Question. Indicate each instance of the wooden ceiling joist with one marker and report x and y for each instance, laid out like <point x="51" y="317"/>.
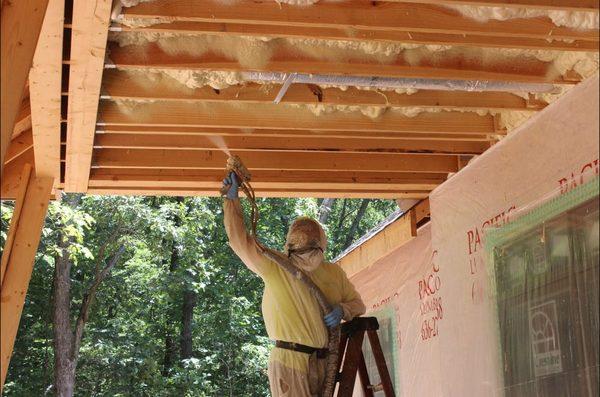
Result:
<point x="313" y="144"/>
<point x="45" y="89"/>
<point x="361" y="14"/>
<point x="211" y="159"/>
<point x="334" y="33"/>
<point x="263" y="116"/>
<point x="19" y="40"/>
<point x="278" y="193"/>
<point x="286" y="133"/>
<point x="153" y="57"/>
<point x="275" y="179"/>
<point x="121" y="85"/>
<point x="88" y="44"/>
<point x="575" y="5"/>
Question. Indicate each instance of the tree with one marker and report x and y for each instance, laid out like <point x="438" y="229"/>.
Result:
<point x="199" y="293"/>
<point x="70" y="249"/>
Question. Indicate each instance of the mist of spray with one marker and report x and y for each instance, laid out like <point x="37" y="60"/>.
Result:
<point x="219" y="142"/>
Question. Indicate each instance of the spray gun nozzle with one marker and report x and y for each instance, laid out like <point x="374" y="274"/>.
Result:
<point x="235" y="165"/>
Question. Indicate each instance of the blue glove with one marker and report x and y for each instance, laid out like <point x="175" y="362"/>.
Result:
<point x="233" y="184"/>
<point x="334" y="317"/>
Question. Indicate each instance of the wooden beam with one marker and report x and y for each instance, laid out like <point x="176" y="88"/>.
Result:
<point x="289" y="133"/>
<point x="273" y="116"/>
<point x="14" y="220"/>
<point x="88" y="45"/>
<point x="11" y="175"/>
<point x="312" y="193"/>
<point x="19" y="40"/>
<point x="19" y="261"/>
<point x="265" y="179"/>
<point x="361" y="14"/>
<point x="455" y="66"/>
<point x="390" y="36"/>
<point x="45" y="89"/>
<point x="18" y="146"/>
<point x="379" y="245"/>
<point x="574" y="5"/>
<point x="422" y="212"/>
<point x="260" y="144"/>
<point x="122" y="85"/>
<point x="206" y="159"/>
<point x="23" y="119"/>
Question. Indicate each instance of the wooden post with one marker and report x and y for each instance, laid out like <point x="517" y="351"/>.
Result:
<point x="21" y="25"/>
<point x="18" y="258"/>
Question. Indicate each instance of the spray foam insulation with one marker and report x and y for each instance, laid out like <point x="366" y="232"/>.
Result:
<point x="253" y="52"/>
<point x="579" y="20"/>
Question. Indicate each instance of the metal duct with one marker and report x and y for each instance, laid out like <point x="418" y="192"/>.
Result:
<point x="393" y="83"/>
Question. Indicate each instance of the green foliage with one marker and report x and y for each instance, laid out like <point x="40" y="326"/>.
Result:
<point x="173" y="246"/>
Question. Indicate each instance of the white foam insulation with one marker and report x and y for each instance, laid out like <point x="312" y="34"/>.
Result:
<point x="579" y="20"/>
<point x="253" y="52"/>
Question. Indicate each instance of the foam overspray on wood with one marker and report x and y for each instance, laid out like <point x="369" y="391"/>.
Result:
<point x="255" y="52"/>
<point x="574" y="19"/>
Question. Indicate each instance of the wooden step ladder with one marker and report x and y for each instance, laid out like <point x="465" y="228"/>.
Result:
<point x="352" y="359"/>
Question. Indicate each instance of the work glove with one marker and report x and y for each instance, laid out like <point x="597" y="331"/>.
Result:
<point x="334" y="317"/>
<point x="232" y="182"/>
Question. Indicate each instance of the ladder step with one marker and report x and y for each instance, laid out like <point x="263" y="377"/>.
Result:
<point x="376" y="388"/>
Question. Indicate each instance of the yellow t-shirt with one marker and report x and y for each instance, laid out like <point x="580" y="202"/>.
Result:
<point x="290" y="312"/>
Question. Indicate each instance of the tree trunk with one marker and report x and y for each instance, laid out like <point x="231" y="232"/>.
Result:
<point x="170" y="345"/>
<point x="187" y="311"/>
<point x="64" y="368"/>
<point x="325" y="210"/>
<point x="170" y="354"/>
<point x="359" y="215"/>
<point x="66" y="340"/>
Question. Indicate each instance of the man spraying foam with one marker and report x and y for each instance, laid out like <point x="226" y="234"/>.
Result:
<point x="293" y="316"/>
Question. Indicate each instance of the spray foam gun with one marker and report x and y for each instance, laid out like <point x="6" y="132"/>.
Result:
<point x="243" y="176"/>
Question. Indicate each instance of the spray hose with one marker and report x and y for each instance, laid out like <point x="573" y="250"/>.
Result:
<point x="235" y="165"/>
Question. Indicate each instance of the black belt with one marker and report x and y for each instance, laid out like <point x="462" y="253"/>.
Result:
<point x="297" y="347"/>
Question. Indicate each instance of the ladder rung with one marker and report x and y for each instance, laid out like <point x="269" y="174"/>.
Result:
<point x="376" y="388"/>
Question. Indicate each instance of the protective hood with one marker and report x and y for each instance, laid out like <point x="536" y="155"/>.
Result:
<point x="305" y="244"/>
<point x="305" y="233"/>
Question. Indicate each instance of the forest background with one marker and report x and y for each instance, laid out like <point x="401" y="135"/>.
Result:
<point x="142" y="296"/>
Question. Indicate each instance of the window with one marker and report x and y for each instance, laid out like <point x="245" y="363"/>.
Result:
<point x="546" y="276"/>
